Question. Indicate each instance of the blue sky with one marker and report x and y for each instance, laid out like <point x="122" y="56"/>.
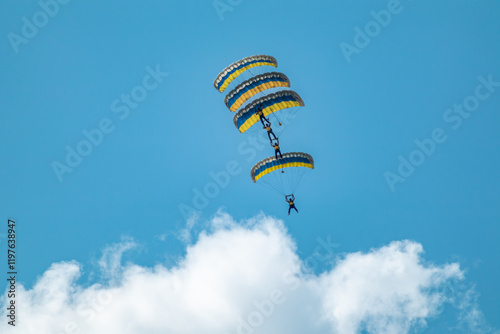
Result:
<point x="363" y="111"/>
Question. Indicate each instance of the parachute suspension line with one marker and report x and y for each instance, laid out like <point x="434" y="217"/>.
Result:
<point x="240" y="79"/>
<point x="274" y="184"/>
<point x="293" y="177"/>
<point x="282" y="182"/>
<point x="243" y="77"/>
<point x="280" y="186"/>
<point x="274" y="181"/>
<point x="279" y="122"/>
<point x="270" y="182"/>
<point x="300" y="179"/>
<point x="269" y="185"/>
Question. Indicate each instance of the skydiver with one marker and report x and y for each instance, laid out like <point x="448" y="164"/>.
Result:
<point x="261" y="115"/>
<point x="270" y="132"/>
<point x="277" y="150"/>
<point x="290" y="199"/>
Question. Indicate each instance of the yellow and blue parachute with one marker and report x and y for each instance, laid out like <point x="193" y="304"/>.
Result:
<point x="246" y="98"/>
<point x="285" y="174"/>
<point x="271" y="103"/>
<point x="235" y="69"/>
<point x="254" y="85"/>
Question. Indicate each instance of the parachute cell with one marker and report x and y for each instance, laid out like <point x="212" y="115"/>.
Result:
<point x="235" y="69"/>
<point x="253" y="86"/>
<point x="271" y="103"/>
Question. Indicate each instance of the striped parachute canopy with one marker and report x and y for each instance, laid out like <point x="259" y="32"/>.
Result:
<point x="255" y="85"/>
<point x="271" y="104"/>
<point x="283" y="175"/>
<point x="235" y="69"/>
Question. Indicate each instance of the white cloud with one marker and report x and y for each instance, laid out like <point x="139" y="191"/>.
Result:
<point x="239" y="278"/>
<point x="470" y="315"/>
<point x="110" y="262"/>
<point x="385" y="291"/>
<point x="161" y="237"/>
<point x="185" y="234"/>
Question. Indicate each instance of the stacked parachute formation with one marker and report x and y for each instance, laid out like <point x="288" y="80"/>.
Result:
<point x="252" y="104"/>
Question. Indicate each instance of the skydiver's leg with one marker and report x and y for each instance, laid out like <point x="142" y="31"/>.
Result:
<point x="272" y="133"/>
<point x="289" y="208"/>
<point x="276" y="154"/>
<point x="269" y="135"/>
<point x="262" y="118"/>
<point x="295" y="208"/>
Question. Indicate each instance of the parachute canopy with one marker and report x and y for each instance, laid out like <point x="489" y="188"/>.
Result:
<point x="271" y="103"/>
<point x="279" y="174"/>
<point x="294" y="159"/>
<point x="235" y="69"/>
<point x="255" y="85"/>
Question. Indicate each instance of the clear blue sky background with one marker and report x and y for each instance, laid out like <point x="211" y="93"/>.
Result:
<point x="359" y="117"/>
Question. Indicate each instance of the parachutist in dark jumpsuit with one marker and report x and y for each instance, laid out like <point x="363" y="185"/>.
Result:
<point x="270" y="132"/>
<point x="290" y="199"/>
<point x="276" y="145"/>
<point x="261" y="115"/>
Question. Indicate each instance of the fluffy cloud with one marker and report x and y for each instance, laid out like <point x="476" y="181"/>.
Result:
<point x="240" y="279"/>
<point x="387" y="290"/>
